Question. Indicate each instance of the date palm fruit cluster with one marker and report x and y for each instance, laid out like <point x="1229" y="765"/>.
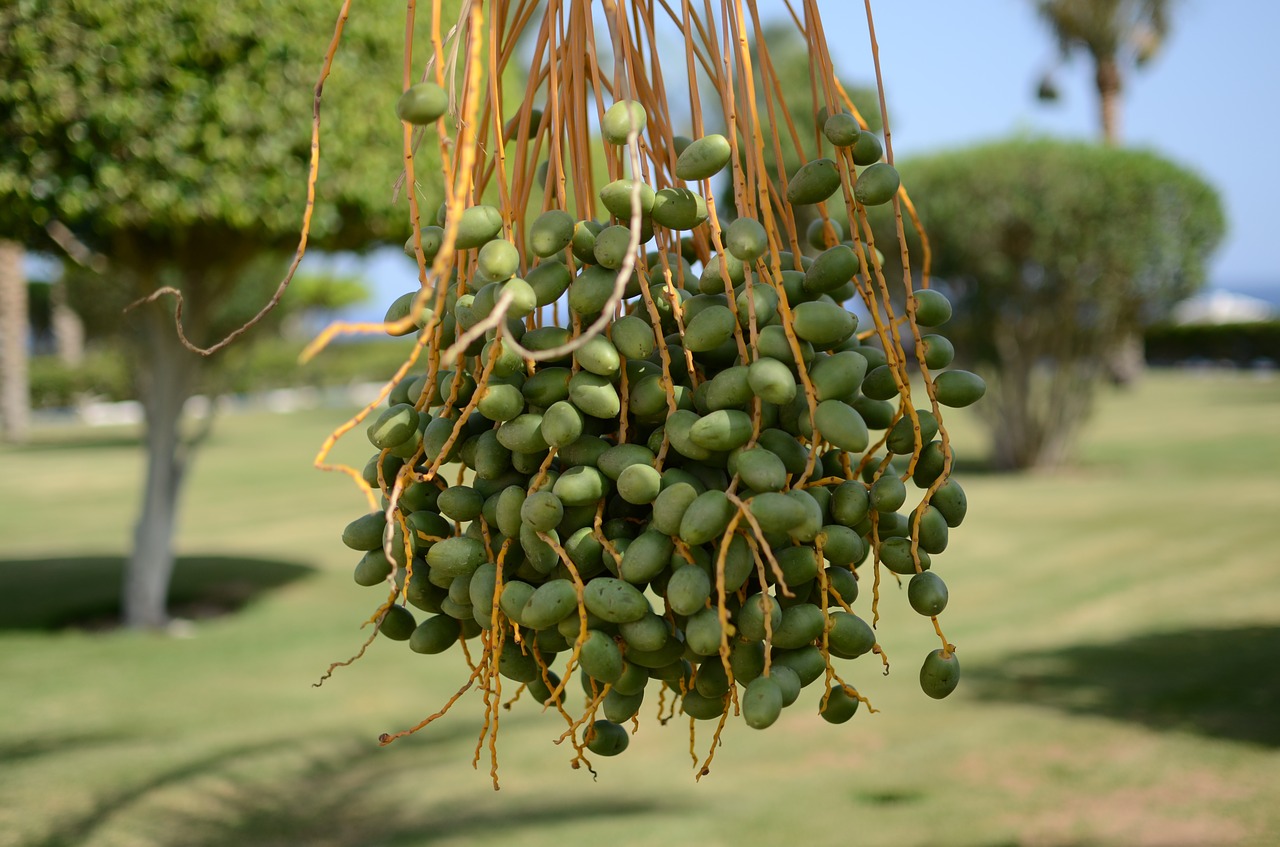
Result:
<point x="684" y="507"/>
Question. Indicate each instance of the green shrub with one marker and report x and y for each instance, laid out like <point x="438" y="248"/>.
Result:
<point x="1055" y="254"/>
<point x="103" y="374"/>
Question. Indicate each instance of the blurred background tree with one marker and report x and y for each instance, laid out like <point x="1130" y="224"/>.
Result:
<point x="1051" y="251"/>
<point x="173" y="140"/>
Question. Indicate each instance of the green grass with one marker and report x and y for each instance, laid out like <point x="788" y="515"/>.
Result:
<point x="1118" y="622"/>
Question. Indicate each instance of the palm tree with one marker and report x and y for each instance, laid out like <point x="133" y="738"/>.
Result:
<point x="1114" y="33"/>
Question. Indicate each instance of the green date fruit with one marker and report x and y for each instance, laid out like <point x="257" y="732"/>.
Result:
<point x="746" y="239"/>
<point x="615" y="600"/>
<point x="959" y="388"/>
<point x="704" y="158"/>
<point x="762" y="702"/>
<point x="842" y="130"/>
<point x="622" y="118"/>
<point x="927" y="593"/>
<point x="435" y="635"/>
<point x="679" y="208"/>
<point x="422" y="104"/>
<point x="397" y="624"/>
<point x="840" y="706"/>
<point x="813" y="182"/>
<point x="550" y="233"/>
<point x="877" y="184"/>
<point x="940" y="673"/>
<point x="932" y="307"/>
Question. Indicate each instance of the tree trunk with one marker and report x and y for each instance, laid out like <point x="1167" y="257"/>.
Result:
<point x="68" y="328"/>
<point x="1125" y="364"/>
<point x="1108" y="82"/>
<point x="15" y="394"/>
<point x="167" y="380"/>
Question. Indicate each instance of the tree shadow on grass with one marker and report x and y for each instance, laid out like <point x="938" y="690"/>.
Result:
<point x="325" y="792"/>
<point x="1216" y="682"/>
<point x="13" y="750"/>
<point x="75" y="829"/>
<point x="355" y="795"/>
<point x="84" y="591"/>
<point x="211" y="778"/>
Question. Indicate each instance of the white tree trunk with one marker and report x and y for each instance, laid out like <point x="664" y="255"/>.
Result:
<point x="170" y="376"/>
<point x="15" y="394"/>
<point x="68" y="328"/>
<point x="1127" y="363"/>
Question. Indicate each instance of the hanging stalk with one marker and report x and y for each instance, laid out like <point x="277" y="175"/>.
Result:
<point x="657" y="419"/>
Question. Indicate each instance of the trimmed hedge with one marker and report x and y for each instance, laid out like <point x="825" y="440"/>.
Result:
<point x="271" y="363"/>
<point x="103" y="374"/>
<point x="1242" y="344"/>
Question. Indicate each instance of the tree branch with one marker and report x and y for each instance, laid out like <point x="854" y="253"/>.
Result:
<point x="76" y="250"/>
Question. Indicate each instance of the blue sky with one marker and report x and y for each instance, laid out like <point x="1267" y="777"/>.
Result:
<point x="959" y="73"/>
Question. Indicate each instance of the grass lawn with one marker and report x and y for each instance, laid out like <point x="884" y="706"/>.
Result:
<point x="1118" y="623"/>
